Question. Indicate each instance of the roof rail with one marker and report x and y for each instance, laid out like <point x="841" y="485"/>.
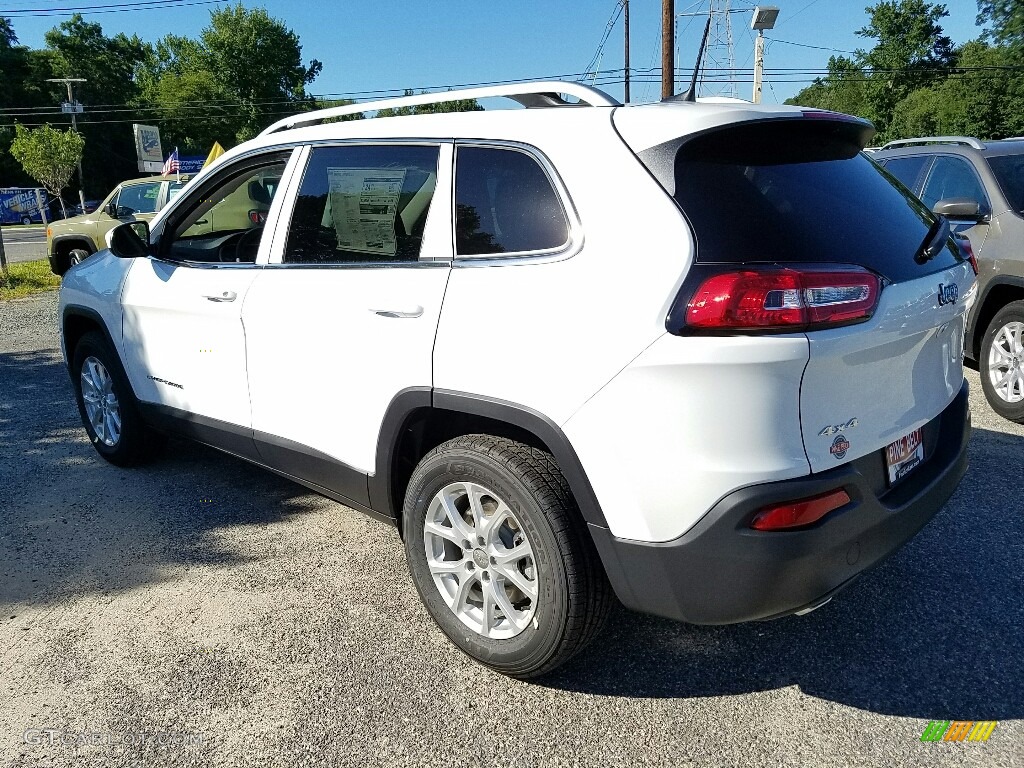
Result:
<point x="532" y="94"/>
<point x="965" y="140"/>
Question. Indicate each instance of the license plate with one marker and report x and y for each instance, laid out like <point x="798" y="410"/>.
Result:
<point x="902" y="456"/>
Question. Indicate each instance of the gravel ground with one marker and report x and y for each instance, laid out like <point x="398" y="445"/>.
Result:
<point x="202" y="612"/>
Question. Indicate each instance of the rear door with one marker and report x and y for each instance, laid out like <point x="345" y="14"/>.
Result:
<point x="798" y="193"/>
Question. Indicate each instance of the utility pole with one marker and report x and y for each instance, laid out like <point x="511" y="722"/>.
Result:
<point x="73" y="107"/>
<point x="668" y="48"/>
<point x="625" y="4"/>
<point x="764" y="18"/>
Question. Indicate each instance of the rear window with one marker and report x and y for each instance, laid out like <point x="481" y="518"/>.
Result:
<point x="1009" y="171"/>
<point x="800" y="192"/>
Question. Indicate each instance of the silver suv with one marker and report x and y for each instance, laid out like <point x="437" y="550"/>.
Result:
<point x="979" y="187"/>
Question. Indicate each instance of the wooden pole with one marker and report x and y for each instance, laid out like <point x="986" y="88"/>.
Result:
<point x="626" y="13"/>
<point x="668" y="48"/>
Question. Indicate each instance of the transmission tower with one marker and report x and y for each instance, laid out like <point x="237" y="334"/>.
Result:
<point x="719" y="67"/>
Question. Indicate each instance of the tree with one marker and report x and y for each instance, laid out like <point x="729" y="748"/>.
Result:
<point x="910" y="53"/>
<point x="49" y="156"/>
<point x="458" y="105"/>
<point x="1006" y="18"/>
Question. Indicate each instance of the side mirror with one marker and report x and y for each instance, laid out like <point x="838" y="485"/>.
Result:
<point x="129" y="241"/>
<point x="963" y="208"/>
<point x="111" y="209"/>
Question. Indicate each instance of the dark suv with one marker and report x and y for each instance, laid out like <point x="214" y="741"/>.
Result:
<point x="979" y="187"/>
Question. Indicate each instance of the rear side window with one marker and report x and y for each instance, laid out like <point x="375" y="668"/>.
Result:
<point x="504" y="203"/>
<point x="362" y="204"/>
<point x="1009" y="171"/>
<point x="800" y="191"/>
<point x="909" y="170"/>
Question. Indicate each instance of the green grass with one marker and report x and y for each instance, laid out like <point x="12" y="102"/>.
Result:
<point x="26" y="278"/>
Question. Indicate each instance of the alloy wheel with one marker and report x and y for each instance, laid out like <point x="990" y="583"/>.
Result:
<point x="481" y="560"/>
<point x="101" y="405"/>
<point x="1005" y="361"/>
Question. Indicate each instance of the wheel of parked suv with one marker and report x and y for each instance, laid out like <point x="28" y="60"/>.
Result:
<point x="500" y="557"/>
<point x="1002" y="362"/>
<point x="77" y="256"/>
<point x="26" y="220"/>
<point x="109" y="409"/>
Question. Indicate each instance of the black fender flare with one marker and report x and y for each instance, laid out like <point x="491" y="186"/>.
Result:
<point x="410" y="401"/>
<point x="974" y="333"/>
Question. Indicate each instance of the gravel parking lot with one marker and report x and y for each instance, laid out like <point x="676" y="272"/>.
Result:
<point x="202" y="612"/>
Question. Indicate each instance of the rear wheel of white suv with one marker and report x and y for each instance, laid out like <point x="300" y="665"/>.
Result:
<point x="108" y="406"/>
<point x="1002" y="362"/>
<point x="499" y="555"/>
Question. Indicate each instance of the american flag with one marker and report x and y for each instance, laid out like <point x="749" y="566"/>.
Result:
<point x="172" y="165"/>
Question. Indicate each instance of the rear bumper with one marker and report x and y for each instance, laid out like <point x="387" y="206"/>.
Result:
<point x="722" y="571"/>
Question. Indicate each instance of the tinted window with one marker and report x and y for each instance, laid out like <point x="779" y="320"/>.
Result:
<point x="909" y="170"/>
<point x="1009" y="171"/>
<point x="504" y="203"/>
<point x="362" y="204"/>
<point x="952" y="177"/>
<point x="790" y="191"/>
<point x="139" y="198"/>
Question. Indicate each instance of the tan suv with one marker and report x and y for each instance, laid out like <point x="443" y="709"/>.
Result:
<point x="70" y="241"/>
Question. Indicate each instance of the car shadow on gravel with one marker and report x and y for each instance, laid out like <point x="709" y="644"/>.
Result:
<point x="71" y="524"/>
<point x="934" y="632"/>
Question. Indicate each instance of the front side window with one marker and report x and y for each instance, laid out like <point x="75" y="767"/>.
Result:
<point x="224" y="223"/>
<point x="504" y="203"/>
<point x="138" y="198"/>
<point x="1009" y="171"/>
<point x="953" y="177"/>
<point x="362" y="204"/>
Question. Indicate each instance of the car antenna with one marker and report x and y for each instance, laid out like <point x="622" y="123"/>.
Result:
<point x="690" y="94"/>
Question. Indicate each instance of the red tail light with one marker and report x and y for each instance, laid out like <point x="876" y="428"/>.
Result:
<point x="783" y="299"/>
<point x="968" y="249"/>
<point x="795" y="514"/>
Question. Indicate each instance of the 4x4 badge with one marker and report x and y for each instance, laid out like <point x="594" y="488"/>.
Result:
<point x="835" y="429"/>
<point x="948" y="294"/>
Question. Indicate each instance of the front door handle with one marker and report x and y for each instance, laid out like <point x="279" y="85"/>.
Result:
<point x="225" y="296"/>
<point x="400" y="313"/>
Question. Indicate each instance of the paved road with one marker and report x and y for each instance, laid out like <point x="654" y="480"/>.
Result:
<point x="24" y="243"/>
<point x="204" y="600"/>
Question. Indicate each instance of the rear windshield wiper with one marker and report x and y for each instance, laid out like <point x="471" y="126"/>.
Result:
<point x="934" y="241"/>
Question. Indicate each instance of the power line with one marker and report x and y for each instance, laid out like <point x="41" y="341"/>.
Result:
<point x="144" y="5"/>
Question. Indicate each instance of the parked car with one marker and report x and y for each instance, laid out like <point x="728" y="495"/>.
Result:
<point x="77" y="237"/>
<point x="706" y="357"/>
<point x="979" y="187"/>
<point x="19" y="205"/>
<point x="89" y="207"/>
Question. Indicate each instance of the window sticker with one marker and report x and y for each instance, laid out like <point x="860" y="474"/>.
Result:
<point x="362" y="207"/>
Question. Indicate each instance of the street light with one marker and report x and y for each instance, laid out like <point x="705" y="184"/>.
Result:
<point x="74" y="108"/>
<point x="764" y="18"/>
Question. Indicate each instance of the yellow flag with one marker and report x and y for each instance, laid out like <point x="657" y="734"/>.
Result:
<point x="216" y="152"/>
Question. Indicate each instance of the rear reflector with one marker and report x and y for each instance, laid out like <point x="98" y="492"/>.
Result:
<point x="795" y="514"/>
<point x="783" y="299"/>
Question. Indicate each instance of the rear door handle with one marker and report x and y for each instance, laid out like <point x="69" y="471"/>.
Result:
<point x="226" y="296"/>
<point x="399" y="313"/>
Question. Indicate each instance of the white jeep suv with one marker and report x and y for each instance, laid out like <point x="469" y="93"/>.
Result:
<point x="702" y="356"/>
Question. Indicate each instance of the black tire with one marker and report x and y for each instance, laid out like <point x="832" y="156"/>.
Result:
<point x="574" y="598"/>
<point x="136" y="442"/>
<point x="1011" y="313"/>
<point x="26" y="220"/>
<point x="77" y="256"/>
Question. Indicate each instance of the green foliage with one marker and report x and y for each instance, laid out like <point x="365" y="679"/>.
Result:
<point x="913" y="82"/>
<point x="26" y="278"/>
<point x="1006" y="18"/>
<point x="458" y="105"/>
<point x="49" y="156"/>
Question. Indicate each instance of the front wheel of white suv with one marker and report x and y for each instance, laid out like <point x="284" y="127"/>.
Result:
<point x="500" y="557"/>
<point x="1002" y="362"/>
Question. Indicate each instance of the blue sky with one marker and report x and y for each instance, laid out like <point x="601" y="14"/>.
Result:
<point x="383" y="46"/>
